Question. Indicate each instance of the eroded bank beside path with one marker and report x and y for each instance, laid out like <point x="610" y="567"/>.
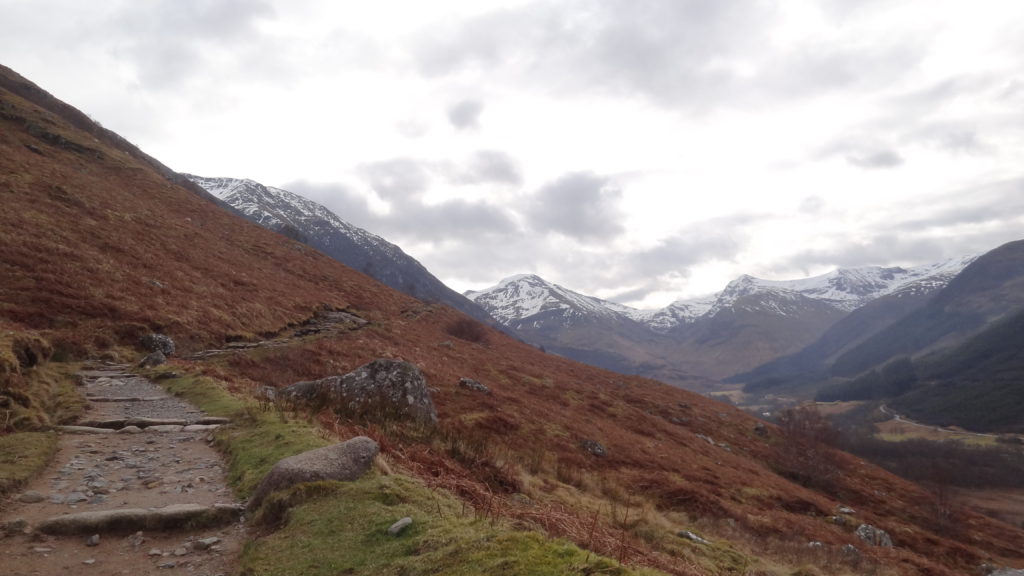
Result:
<point x="136" y="487"/>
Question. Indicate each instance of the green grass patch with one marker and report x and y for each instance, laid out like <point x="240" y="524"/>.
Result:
<point x="22" y="456"/>
<point x="341" y="528"/>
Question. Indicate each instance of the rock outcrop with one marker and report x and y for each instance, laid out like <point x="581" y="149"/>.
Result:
<point x="159" y="343"/>
<point x="874" y="536"/>
<point x="381" y="390"/>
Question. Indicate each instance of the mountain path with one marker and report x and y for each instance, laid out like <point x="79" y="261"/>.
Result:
<point x="136" y="489"/>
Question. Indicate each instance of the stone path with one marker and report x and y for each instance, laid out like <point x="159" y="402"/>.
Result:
<point x="124" y="483"/>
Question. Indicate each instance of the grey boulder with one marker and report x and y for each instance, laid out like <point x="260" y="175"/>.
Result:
<point x="344" y="462"/>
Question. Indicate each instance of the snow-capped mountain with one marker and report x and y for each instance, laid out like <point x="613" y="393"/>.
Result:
<point x="750" y="322"/>
<point x="847" y="288"/>
<point x="524" y="296"/>
<point x="310" y="223"/>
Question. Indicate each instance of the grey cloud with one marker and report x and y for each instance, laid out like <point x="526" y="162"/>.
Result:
<point x="397" y="179"/>
<point x="995" y="205"/>
<point x="344" y="201"/>
<point x="863" y="152"/>
<point x="879" y="248"/>
<point x="956" y="138"/>
<point x="812" y="205"/>
<point x="875" y="159"/>
<point x="465" y="115"/>
<point x="490" y="166"/>
<point x="469" y="222"/>
<point x="716" y="239"/>
<point x="168" y="39"/>
<point x="984" y="217"/>
<point x="690" y="55"/>
<point x="580" y="205"/>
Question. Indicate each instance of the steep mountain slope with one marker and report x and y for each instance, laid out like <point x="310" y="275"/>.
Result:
<point x="312" y="224"/>
<point x="751" y="322"/>
<point x="976" y="385"/>
<point x="802" y="373"/>
<point x="97" y="247"/>
<point x="988" y="289"/>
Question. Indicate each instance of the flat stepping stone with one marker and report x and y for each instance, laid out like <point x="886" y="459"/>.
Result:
<point x="212" y="420"/>
<point x="124" y="398"/>
<point x="129" y="520"/>
<point x="119" y="423"/>
<point x="84" y="430"/>
<point x="164" y="428"/>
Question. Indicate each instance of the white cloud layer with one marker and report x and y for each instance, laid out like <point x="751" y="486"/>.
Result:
<point x="643" y="150"/>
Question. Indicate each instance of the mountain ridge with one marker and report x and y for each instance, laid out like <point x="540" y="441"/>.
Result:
<point x="313" y="224"/>
<point x="750" y="322"/>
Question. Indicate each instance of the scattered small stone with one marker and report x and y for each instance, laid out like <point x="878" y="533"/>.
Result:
<point x="42" y="549"/>
<point x="815" y="544"/>
<point x="89" y="562"/>
<point x="31" y="497"/>
<point x="846" y="510"/>
<point x="595" y="448"/>
<point x="180" y="551"/>
<point x="155" y="552"/>
<point x="692" y="537"/>
<point x="76" y="497"/>
<point x="16" y="526"/>
<point x="169" y="564"/>
<point x="471" y="384"/>
<point x="93" y="540"/>
<point x="205" y="543"/>
<point x="399" y="526"/>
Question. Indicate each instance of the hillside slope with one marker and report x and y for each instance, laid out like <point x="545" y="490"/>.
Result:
<point x="99" y="247"/>
<point x="312" y="224"/>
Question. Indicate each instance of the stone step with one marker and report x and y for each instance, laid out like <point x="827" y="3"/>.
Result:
<point x="166" y="519"/>
<point x="92" y="398"/>
<point x="119" y="423"/>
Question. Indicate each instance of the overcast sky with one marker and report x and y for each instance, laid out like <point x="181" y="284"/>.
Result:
<point x="636" y="150"/>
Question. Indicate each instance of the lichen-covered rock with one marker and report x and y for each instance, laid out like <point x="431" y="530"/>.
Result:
<point x="344" y="462"/>
<point x="159" y="343"/>
<point x="874" y="536"/>
<point x="381" y="390"/>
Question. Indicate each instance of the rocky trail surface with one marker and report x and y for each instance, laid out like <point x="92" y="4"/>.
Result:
<point x="135" y="488"/>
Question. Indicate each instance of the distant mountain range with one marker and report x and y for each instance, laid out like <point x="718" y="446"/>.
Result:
<point x="306" y="221"/>
<point x="752" y="321"/>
